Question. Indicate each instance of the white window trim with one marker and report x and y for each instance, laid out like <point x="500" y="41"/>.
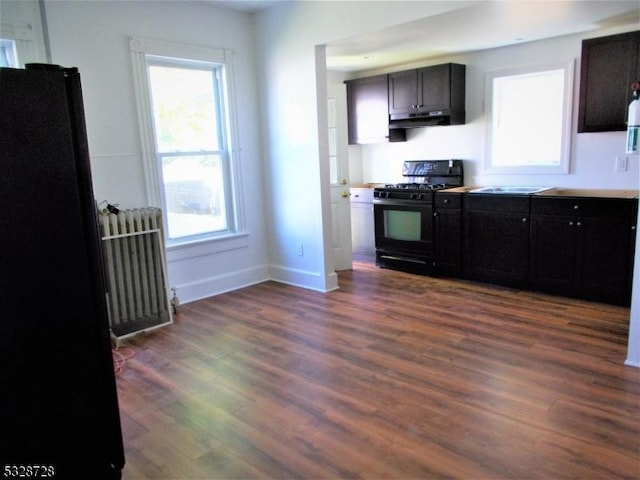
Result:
<point x="139" y="49"/>
<point x="563" y="168"/>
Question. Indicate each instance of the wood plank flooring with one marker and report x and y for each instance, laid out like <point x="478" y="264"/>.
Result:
<point x="393" y="376"/>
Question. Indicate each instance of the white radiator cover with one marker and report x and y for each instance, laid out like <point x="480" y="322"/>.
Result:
<point x="136" y="273"/>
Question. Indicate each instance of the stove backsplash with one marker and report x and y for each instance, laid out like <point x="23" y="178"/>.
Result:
<point x="434" y="172"/>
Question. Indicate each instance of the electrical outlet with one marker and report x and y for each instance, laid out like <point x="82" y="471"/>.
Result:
<point x="299" y="249"/>
<point x="621" y="164"/>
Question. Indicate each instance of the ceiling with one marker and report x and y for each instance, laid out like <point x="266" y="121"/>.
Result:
<point x="467" y="26"/>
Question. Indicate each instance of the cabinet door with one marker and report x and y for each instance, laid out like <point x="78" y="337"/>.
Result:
<point x="497" y="246"/>
<point x="434" y="88"/>
<point x="603" y="259"/>
<point x="609" y="66"/>
<point x="553" y="253"/>
<point x="368" y="112"/>
<point x="403" y="92"/>
<point x="448" y="242"/>
<point x="362" y="229"/>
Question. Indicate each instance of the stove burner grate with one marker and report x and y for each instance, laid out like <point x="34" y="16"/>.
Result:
<point x="417" y="186"/>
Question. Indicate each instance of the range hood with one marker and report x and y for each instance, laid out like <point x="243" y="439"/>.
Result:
<point x="423" y="119"/>
<point x="427" y="96"/>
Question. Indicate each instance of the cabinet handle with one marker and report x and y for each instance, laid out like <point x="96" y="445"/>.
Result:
<point x="571" y="223"/>
<point x="446" y="200"/>
<point x="576" y="207"/>
<point x="633" y="227"/>
<point x="579" y="224"/>
<point x="524" y="220"/>
<point x="435" y="214"/>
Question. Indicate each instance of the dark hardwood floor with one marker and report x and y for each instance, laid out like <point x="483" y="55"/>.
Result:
<point x="392" y="376"/>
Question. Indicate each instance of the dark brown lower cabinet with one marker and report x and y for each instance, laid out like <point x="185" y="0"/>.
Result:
<point x="583" y="247"/>
<point x="496" y="238"/>
<point x="448" y="234"/>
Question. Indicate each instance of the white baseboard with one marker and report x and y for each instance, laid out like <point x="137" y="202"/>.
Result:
<point x="213" y="286"/>
<point x="304" y="279"/>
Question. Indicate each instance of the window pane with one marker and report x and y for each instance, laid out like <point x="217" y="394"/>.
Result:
<point x="184" y="109"/>
<point x="527" y="119"/>
<point x="402" y="225"/>
<point x="530" y="119"/>
<point x="333" y="140"/>
<point x="8" y="56"/>
<point x="194" y="194"/>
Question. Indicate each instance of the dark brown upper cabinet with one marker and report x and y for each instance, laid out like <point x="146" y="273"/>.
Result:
<point x="609" y="66"/>
<point x="368" y="111"/>
<point x="436" y="92"/>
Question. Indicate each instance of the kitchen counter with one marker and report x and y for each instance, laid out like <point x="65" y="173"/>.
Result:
<point x="367" y="185"/>
<point x="588" y="192"/>
<point x="565" y="192"/>
<point x="459" y="189"/>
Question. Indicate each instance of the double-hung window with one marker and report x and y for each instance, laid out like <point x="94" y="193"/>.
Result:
<point x="529" y="119"/>
<point x="187" y="137"/>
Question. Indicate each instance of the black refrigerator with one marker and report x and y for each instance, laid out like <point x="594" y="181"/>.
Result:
<point x="59" y="415"/>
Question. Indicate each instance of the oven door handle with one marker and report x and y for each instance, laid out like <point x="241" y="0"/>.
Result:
<point x="402" y="203"/>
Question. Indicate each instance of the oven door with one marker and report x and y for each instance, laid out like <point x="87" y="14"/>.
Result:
<point x="404" y="235"/>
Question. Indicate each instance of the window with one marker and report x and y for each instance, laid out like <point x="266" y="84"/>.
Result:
<point x="8" y="54"/>
<point x="187" y="136"/>
<point x="529" y="120"/>
<point x="333" y="140"/>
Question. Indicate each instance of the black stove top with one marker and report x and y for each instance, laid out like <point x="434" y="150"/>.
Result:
<point x="424" y="177"/>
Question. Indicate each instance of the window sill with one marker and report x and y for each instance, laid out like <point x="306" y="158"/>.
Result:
<point x="198" y="248"/>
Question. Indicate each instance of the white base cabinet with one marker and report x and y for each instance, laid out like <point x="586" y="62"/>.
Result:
<point x="362" y="228"/>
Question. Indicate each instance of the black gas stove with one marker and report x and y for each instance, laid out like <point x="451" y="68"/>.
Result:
<point x="403" y="214"/>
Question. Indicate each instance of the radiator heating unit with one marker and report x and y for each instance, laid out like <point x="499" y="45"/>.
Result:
<point x="138" y="296"/>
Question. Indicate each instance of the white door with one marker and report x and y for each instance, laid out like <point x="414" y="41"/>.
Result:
<point x="339" y="176"/>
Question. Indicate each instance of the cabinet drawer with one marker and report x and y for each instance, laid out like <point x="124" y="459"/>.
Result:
<point x="361" y="195"/>
<point x="584" y="207"/>
<point x="448" y="201"/>
<point x="497" y="203"/>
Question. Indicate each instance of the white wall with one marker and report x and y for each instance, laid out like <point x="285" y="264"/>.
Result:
<point x="94" y="36"/>
<point x="295" y="135"/>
